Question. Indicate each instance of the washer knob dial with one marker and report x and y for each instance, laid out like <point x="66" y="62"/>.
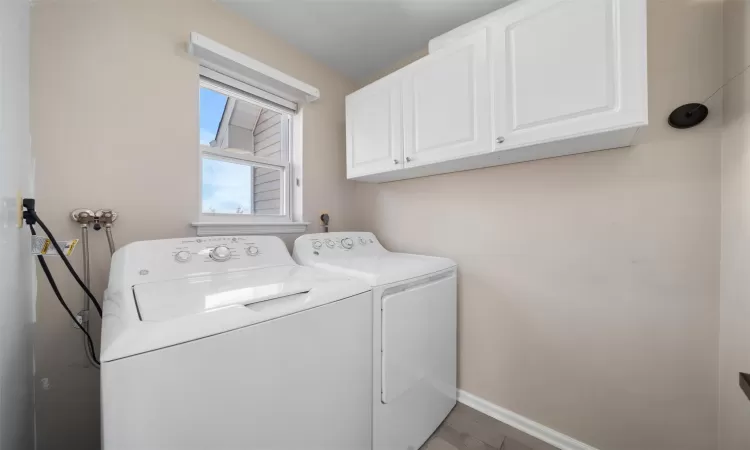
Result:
<point x="221" y="253"/>
<point x="317" y="245"/>
<point x="252" y="250"/>
<point x="362" y="241"/>
<point x="182" y="256"/>
<point x="347" y="243"/>
<point x="330" y="243"/>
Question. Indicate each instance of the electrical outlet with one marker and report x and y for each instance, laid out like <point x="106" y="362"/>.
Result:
<point x="11" y="211"/>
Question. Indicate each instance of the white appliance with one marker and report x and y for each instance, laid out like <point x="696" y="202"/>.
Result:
<point x="414" y="331"/>
<point x="226" y="343"/>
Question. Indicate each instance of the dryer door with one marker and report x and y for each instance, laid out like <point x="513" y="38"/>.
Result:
<point x="419" y="337"/>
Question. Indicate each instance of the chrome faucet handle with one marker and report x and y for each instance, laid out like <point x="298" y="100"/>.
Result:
<point x="83" y="216"/>
<point x="106" y="216"/>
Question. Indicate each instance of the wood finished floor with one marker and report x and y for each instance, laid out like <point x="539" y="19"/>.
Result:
<point x="468" y="429"/>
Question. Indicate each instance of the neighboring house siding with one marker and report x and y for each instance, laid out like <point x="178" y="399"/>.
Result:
<point x="240" y="137"/>
<point x="267" y="182"/>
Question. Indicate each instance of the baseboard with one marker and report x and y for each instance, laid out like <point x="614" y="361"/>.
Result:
<point x="519" y="422"/>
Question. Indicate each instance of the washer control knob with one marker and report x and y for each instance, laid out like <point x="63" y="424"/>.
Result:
<point x="347" y="243"/>
<point x="182" y="256"/>
<point x="252" y="250"/>
<point x="330" y="243"/>
<point x="221" y="253"/>
<point x="362" y="241"/>
<point x="317" y="245"/>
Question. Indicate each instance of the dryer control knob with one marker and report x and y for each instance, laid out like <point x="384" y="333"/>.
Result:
<point x="182" y="256"/>
<point x="221" y="253"/>
<point x="347" y="243"/>
<point x="252" y="251"/>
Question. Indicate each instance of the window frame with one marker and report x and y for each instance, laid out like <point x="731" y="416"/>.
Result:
<point x="286" y="165"/>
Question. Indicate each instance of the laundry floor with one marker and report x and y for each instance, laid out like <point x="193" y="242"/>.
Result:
<point x="468" y="429"/>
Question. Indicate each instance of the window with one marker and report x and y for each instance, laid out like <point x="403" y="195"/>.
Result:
<point x="251" y="119"/>
<point x="246" y="157"/>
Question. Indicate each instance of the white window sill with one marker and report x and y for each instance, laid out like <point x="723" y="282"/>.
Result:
<point x="235" y="228"/>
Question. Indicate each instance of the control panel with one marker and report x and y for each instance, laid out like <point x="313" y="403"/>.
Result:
<point x="219" y="249"/>
<point x="175" y="258"/>
<point x="334" y="245"/>
<point x="340" y="241"/>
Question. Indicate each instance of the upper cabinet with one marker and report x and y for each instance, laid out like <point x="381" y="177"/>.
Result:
<point x="374" y="128"/>
<point x="536" y="79"/>
<point x="447" y="103"/>
<point x="568" y="68"/>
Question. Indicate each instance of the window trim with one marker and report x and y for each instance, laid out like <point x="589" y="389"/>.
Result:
<point x="223" y="224"/>
<point x="248" y="228"/>
<point x="239" y="66"/>
<point x="269" y="100"/>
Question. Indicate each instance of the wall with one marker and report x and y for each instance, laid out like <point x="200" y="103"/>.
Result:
<point x="589" y="284"/>
<point x="16" y="296"/>
<point x="115" y="125"/>
<point x="735" y="218"/>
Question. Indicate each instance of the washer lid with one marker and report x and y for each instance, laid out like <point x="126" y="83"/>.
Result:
<point x="168" y="300"/>
<point x="182" y="310"/>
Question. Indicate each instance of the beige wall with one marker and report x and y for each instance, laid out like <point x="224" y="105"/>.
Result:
<point x="735" y="246"/>
<point x="114" y="113"/>
<point x="588" y="291"/>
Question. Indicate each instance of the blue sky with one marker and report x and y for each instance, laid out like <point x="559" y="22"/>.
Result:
<point x="226" y="186"/>
<point x="211" y="107"/>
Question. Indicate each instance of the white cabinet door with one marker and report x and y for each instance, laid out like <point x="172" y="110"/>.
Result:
<point x="447" y="103"/>
<point x="374" y="129"/>
<point x="567" y="68"/>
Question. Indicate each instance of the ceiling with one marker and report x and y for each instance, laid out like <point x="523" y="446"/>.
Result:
<point x="361" y="38"/>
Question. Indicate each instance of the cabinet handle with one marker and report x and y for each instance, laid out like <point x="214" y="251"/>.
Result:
<point x="500" y="140"/>
<point x="408" y="159"/>
<point x="395" y="161"/>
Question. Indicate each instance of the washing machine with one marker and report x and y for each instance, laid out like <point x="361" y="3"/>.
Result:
<point x="414" y="331"/>
<point x="226" y="343"/>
